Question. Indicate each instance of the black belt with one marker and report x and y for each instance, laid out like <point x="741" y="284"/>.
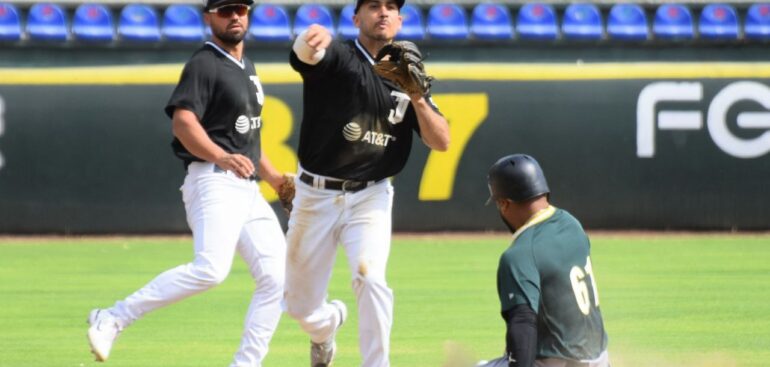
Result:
<point x="330" y="184"/>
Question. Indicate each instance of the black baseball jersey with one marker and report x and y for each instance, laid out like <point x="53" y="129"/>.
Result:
<point x="226" y="96"/>
<point x="355" y="124"/>
<point x="548" y="267"/>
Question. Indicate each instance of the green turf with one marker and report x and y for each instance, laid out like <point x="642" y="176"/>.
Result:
<point x="667" y="301"/>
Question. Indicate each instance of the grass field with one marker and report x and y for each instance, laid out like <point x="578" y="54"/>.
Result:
<point x="667" y="300"/>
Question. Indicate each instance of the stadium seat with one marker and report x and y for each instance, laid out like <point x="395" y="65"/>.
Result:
<point x="537" y="21"/>
<point x="47" y="22"/>
<point x="270" y="22"/>
<point x="93" y="23"/>
<point x="757" y="25"/>
<point x="447" y="22"/>
<point x="628" y="22"/>
<point x="347" y="29"/>
<point x="182" y="23"/>
<point x="413" y="26"/>
<point x="582" y="21"/>
<point x="308" y="14"/>
<point x="10" y="23"/>
<point x="139" y="23"/>
<point x="491" y="22"/>
<point x="719" y="22"/>
<point x="673" y="21"/>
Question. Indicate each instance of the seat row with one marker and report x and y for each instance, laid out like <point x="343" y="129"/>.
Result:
<point x="93" y="22"/>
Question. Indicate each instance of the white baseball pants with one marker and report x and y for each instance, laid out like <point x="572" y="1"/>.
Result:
<point x="225" y="213"/>
<point x="361" y="223"/>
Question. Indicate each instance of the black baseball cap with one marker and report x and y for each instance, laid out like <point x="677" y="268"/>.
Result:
<point x="361" y="2"/>
<point x="211" y="4"/>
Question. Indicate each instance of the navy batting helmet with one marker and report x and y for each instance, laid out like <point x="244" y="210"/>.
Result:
<point x="517" y="177"/>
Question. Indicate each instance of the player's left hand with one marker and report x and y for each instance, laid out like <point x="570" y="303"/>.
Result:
<point x="237" y="163"/>
<point x="401" y="62"/>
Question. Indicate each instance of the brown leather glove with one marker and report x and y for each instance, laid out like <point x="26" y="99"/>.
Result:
<point x="401" y="62"/>
<point x="286" y="192"/>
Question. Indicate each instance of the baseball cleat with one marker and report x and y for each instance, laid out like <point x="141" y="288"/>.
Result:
<point x="322" y="354"/>
<point x="102" y="333"/>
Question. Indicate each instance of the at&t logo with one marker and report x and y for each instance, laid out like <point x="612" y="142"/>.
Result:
<point x="352" y="132"/>
<point x="649" y="122"/>
<point x="244" y="124"/>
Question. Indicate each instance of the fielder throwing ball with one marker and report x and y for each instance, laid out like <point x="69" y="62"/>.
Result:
<point x="363" y="101"/>
<point x="545" y="280"/>
<point x="216" y="119"/>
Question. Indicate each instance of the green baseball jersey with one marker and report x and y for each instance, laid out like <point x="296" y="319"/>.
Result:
<point x="548" y="267"/>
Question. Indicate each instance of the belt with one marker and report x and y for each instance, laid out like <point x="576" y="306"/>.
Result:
<point x="331" y="184"/>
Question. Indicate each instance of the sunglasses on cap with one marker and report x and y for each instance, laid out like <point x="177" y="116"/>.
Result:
<point x="227" y="11"/>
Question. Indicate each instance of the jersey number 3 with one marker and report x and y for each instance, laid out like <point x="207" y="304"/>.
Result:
<point x="260" y="93"/>
<point x="580" y="287"/>
<point x="402" y="102"/>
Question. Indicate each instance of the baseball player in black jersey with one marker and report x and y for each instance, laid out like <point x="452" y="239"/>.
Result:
<point x="216" y="119"/>
<point x="545" y="280"/>
<point x="357" y="130"/>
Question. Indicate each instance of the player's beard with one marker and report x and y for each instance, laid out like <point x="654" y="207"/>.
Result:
<point x="510" y="227"/>
<point x="229" y="38"/>
<point x="379" y="37"/>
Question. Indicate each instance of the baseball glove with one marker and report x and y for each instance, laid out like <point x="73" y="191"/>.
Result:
<point x="286" y="192"/>
<point x="401" y="62"/>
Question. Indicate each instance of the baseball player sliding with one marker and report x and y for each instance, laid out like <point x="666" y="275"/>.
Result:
<point x="216" y="119"/>
<point x="357" y="129"/>
<point x="545" y="280"/>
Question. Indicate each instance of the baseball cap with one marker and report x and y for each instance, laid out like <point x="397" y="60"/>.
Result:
<point x="211" y="4"/>
<point x="361" y="2"/>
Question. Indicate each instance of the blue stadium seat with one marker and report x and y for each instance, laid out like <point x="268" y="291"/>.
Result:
<point x="673" y="21"/>
<point x="270" y="22"/>
<point x="413" y="26"/>
<point x="582" y="21"/>
<point x="308" y="14"/>
<point x="47" y="22"/>
<point x="182" y="23"/>
<point x="139" y="23"/>
<point x="757" y="25"/>
<point x="719" y="22"/>
<point x="10" y="23"/>
<point x="447" y="22"/>
<point x="537" y="21"/>
<point x="628" y="22"/>
<point x="93" y="23"/>
<point x="347" y="29"/>
<point x="491" y="22"/>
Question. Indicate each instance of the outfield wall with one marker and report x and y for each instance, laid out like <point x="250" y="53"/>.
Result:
<point x="626" y="144"/>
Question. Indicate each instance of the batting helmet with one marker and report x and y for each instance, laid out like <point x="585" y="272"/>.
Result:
<point x="517" y="177"/>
